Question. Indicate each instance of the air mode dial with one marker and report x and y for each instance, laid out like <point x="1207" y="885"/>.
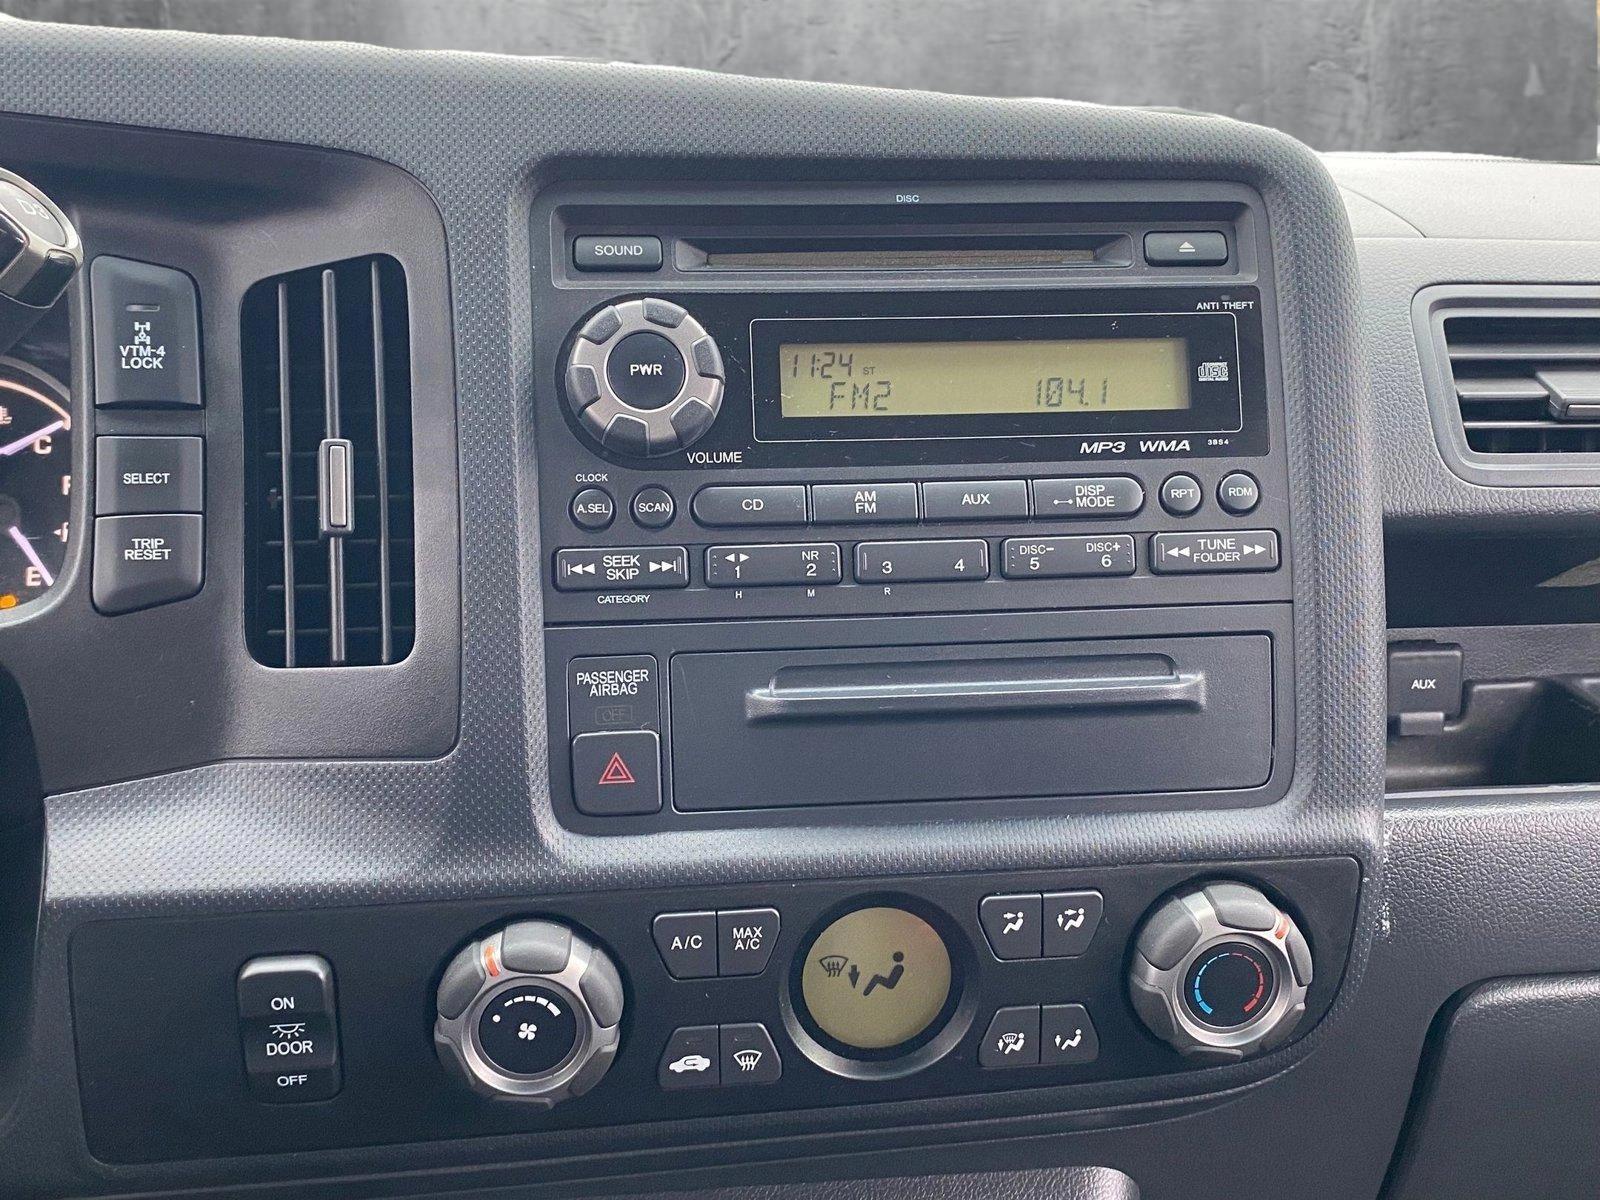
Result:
<point x="531" y="1012"/>
<point x="644" y="378"/>
<point x="1220" y="972"/>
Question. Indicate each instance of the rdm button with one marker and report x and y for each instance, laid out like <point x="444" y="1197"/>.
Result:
<point x="616" y="774"/>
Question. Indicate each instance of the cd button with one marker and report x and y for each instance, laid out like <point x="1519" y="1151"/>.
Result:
<point x="975" y="500"/>
<point x="779" y="504"/>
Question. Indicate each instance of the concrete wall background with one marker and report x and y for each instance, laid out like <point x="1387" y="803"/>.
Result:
<point x="1490" y="76"/>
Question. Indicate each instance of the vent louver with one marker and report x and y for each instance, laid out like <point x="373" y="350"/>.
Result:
<point x="330" y="562"/>
<point x="1526" y="384"/>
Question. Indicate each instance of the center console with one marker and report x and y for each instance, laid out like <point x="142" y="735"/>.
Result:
<point x="802" y="460"/>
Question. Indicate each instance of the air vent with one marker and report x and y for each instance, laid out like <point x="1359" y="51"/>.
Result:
<point x="1526" y="384"/>
<point x="330" y="562"/>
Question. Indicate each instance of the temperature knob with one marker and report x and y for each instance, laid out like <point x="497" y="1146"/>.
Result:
<point x="531" y="1012"/>
<point x="1220" y="972"/>
<point x="644" y="378"/>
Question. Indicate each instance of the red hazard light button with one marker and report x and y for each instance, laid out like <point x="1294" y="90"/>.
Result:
<point x="616" y="774"/>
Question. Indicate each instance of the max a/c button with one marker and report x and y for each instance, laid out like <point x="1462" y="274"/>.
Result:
<point x="616" y="774"/>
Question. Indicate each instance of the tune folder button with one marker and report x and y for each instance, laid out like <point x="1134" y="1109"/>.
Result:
<point x="1214" y="553"/>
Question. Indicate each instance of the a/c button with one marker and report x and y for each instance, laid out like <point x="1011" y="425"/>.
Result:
<point x="688" y="943"/>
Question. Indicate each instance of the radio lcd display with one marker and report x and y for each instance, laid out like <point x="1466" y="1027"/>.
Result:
<point x="918" y="379"/>
<point x="1031" y="375"/>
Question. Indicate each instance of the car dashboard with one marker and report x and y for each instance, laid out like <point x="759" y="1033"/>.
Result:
<point x="570" y="629"/>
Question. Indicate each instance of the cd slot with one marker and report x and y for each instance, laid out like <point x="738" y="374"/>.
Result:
<point x="960" y="252"/>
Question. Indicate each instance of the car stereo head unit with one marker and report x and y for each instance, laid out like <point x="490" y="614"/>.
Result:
<point x="781" y="378"/>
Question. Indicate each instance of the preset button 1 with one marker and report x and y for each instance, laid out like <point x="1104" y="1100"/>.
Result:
<point x="773" y="565"/>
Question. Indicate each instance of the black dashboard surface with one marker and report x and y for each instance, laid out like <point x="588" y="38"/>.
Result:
<point x="271" y="841"/>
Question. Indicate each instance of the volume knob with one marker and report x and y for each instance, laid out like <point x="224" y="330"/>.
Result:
<point x="644" y="378"/>
<point x="1220" y="972"/>
<point x="531" y="1012"/>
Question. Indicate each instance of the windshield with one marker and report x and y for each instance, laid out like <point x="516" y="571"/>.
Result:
<point x="1504" y="77"/>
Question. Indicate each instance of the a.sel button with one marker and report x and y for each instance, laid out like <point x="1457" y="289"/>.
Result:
<point x="1067" y="557"/>
<point x="765" y="566"/>
<point x="922" y="562"/>
<point x="147" y="560"/>
<point x="1200" y="553"/>
<point x="1112" y="496"/>
<point x="599" y="570"/>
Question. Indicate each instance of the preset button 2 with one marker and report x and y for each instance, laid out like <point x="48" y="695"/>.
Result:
<point x="773" y="565"/>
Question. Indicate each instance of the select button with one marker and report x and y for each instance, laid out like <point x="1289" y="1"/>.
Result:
<point x="148" y="475"/>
